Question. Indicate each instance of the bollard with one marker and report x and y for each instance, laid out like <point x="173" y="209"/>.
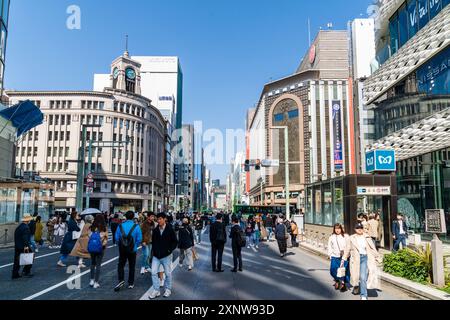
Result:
<point x="438" y="262"/>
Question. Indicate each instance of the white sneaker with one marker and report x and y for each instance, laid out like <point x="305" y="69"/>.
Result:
<point x="96" y="285"/>
<point x="364" y="298"/>
<point x="61" y="264"/>
<point x="37" y="250"/>
<point x="148" y="270"/>
<point x="161" y="283"/>
<point x="190" y="268"/>
<point x="91" y="283"/>
<point x="81" y="266"/>
<point x="181" y="265"/>
<point x="142" y="270"/>
<point x="257" y="247"/>
<point x="154" y="294"/>
<point x="167" y="293"/>
<point x="248" y="247"/>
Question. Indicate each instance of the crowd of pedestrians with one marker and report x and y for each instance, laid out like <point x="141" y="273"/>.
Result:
<point x="354" y="258"/>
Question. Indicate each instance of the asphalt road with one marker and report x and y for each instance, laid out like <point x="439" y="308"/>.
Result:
<point x="299" y="276"/>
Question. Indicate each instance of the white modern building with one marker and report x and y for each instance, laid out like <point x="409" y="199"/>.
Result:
<point x="128" y="154"/>
<point x="362" y="63"/>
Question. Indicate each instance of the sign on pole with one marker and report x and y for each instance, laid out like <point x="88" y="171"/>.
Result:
<point x="435" y="221"/>
<point x="269" y="163"/>
<point x="380" y="160"/>
<point x="337" y="136"/>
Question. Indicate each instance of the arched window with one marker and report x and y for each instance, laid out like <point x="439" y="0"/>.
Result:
<point x="286" y="113"/>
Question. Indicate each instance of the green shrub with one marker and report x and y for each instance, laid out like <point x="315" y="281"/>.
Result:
<point x="409" y="264"/>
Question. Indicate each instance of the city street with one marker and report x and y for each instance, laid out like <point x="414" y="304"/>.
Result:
<point x="299" y="276"/>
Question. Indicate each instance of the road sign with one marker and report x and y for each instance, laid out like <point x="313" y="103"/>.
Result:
<point x="268" y="163"/>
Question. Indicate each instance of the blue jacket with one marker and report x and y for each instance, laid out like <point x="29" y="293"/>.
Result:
<point x="137" y="233"/>
<point x="396" y="229"/>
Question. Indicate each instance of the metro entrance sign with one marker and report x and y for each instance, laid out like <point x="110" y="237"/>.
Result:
<point x="380" y="161"/>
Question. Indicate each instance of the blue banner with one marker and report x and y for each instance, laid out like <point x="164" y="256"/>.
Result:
<point x="337" y="136"/>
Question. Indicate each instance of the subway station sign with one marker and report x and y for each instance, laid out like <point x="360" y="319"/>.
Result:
<point x="380" y="161"/>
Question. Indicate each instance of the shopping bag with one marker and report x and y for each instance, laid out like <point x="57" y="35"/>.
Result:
<point x="76" y="235"/>
<point x="341" y="272"/>
<point x="26" y="259"/>
<point x="195" y="255"/>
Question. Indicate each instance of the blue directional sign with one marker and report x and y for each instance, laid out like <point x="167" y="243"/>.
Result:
<point x="380" y="160"/>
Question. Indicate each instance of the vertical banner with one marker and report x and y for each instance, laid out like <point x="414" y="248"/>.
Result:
<point x="337" y="136"/>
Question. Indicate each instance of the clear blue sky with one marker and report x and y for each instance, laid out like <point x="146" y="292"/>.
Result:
<point x="228" y="49"/>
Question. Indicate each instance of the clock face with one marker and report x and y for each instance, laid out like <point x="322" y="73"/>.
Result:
<point x="131" y="74"/>
<point x="115" y="73"/>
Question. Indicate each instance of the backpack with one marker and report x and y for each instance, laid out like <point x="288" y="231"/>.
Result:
<point x="220" y="234"/>
<point x="126" y="242"/>
<point x="95" y="243"/>
<point x="241" y="238"/>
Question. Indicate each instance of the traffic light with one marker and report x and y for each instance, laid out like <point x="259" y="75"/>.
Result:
<point x="247" y="166"/>
<point x="258" y="165"/>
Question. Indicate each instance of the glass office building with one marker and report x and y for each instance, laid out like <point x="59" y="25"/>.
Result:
<point x="4" y="15"/>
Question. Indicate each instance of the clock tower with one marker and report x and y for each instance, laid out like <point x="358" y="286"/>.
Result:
<point x="126" y="74"/>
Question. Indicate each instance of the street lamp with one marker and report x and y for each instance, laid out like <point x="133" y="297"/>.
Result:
<point x="286" y="166"/>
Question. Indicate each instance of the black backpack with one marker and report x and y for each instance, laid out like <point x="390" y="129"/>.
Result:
<point x="126" y="242"/>
<point x="241" y="238"/>
<point x="221" y="236"/>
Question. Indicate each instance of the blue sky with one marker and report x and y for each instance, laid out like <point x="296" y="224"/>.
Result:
<point x="228" y="49"/>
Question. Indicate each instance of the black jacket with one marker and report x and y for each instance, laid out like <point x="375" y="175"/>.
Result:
<point x="22" y="237"/>
<point x="32" y="227"/>
<point x="198" y="224"/>
<point x="186" y="237"/>
<point x="234" y="235"/>
<point x="269" y="223"/>
<point x="163" y="245"/>
<point x="213" y="232"/>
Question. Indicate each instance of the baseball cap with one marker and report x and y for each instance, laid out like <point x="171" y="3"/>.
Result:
<point x="359" y="226"/>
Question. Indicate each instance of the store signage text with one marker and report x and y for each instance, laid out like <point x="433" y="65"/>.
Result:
<point x="374" y="191"/>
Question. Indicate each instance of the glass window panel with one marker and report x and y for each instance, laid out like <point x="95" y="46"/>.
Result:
<point x="5" y="13"/>
<point x="293" y="114"/>
<point x="423" y="13"/>
<point x="403" y="25"/>
<point x="393" y="32"/>
<point x="279" y="117"/>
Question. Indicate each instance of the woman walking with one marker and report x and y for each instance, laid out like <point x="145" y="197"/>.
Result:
<point x="294" y="233"/>
<point x="59" y="232"/>
<point x="69" y="238"/>
<point x="281" y="235"/>
<point x="39" y="232"/>
<point x="186" y="243"/>
<point x="336" y="248"/>
<point x="80" y="249"/>
<point x="98" y="232"/>
<point x="249" y="234"/>
<point x="363" y="262"/>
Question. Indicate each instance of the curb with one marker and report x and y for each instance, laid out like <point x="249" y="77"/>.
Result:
<point x="404" y="284"/>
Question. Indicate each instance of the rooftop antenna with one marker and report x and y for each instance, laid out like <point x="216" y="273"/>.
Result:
<point x="126" y="46"/>
<point x="330" y="25"/>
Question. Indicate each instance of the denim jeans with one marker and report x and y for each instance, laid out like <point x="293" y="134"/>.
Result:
<point x="363" y="274"/>
<point x="33" y="243"/>
<point x="255" y="237"/>
<point x="146" y="256"/>
<point x="401" y="239"/>
<point x="187" y="253"/>
<point x="249" y="240"/>
<point x="269" y="233"/>
<point x="167" y="265"/>
<point x="198" y="235"/>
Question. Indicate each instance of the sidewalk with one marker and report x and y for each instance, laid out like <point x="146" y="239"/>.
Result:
<point x="416" y="288"/>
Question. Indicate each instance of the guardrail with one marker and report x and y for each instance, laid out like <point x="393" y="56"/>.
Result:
<point x="316" y="238"/>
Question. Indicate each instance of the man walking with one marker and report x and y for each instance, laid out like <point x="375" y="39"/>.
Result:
<point x="237" y="242"/>
<point x="22" y="244"/>
<point x="399" y="230"/>
<point x="164" y="242"/>
<point x="269" y="227"/>
<point x="218" y="238"/>
<point x="147" y="228"/>
<point x="129" y="237"/>
<point x="198" y="227"/>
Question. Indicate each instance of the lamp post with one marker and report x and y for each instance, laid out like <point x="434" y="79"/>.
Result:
<point x="153" y="194"/>
<point x="286" y="166"/>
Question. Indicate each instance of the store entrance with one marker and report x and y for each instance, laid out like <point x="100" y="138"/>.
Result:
<point x="377" y="204"/>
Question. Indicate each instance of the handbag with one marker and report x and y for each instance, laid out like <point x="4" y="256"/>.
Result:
<point x="341" y="272"/>
<point x="26" y="259"/>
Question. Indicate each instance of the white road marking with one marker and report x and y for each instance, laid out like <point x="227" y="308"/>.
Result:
<point x="174" y="266"/>
<point x="69" y="280"/>
<point x="43" y="256"/>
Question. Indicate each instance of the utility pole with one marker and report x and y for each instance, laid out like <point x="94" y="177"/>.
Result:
<point x="80" y="171"/>
<point x="89" y="171"/>
<point x="153" y="194"/>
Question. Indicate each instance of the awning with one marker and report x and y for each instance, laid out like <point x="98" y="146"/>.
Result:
<point x="23" y="116"/>
<point x="425" y="136"/>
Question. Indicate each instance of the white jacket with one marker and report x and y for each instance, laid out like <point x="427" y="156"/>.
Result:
<point x="336" y="244"/>
<point x="60" y="229"/>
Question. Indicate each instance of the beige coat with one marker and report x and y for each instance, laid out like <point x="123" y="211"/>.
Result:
<point x="81" y="247"/>
<point x="373" y="228"/>
<point x="373" y="258"/>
